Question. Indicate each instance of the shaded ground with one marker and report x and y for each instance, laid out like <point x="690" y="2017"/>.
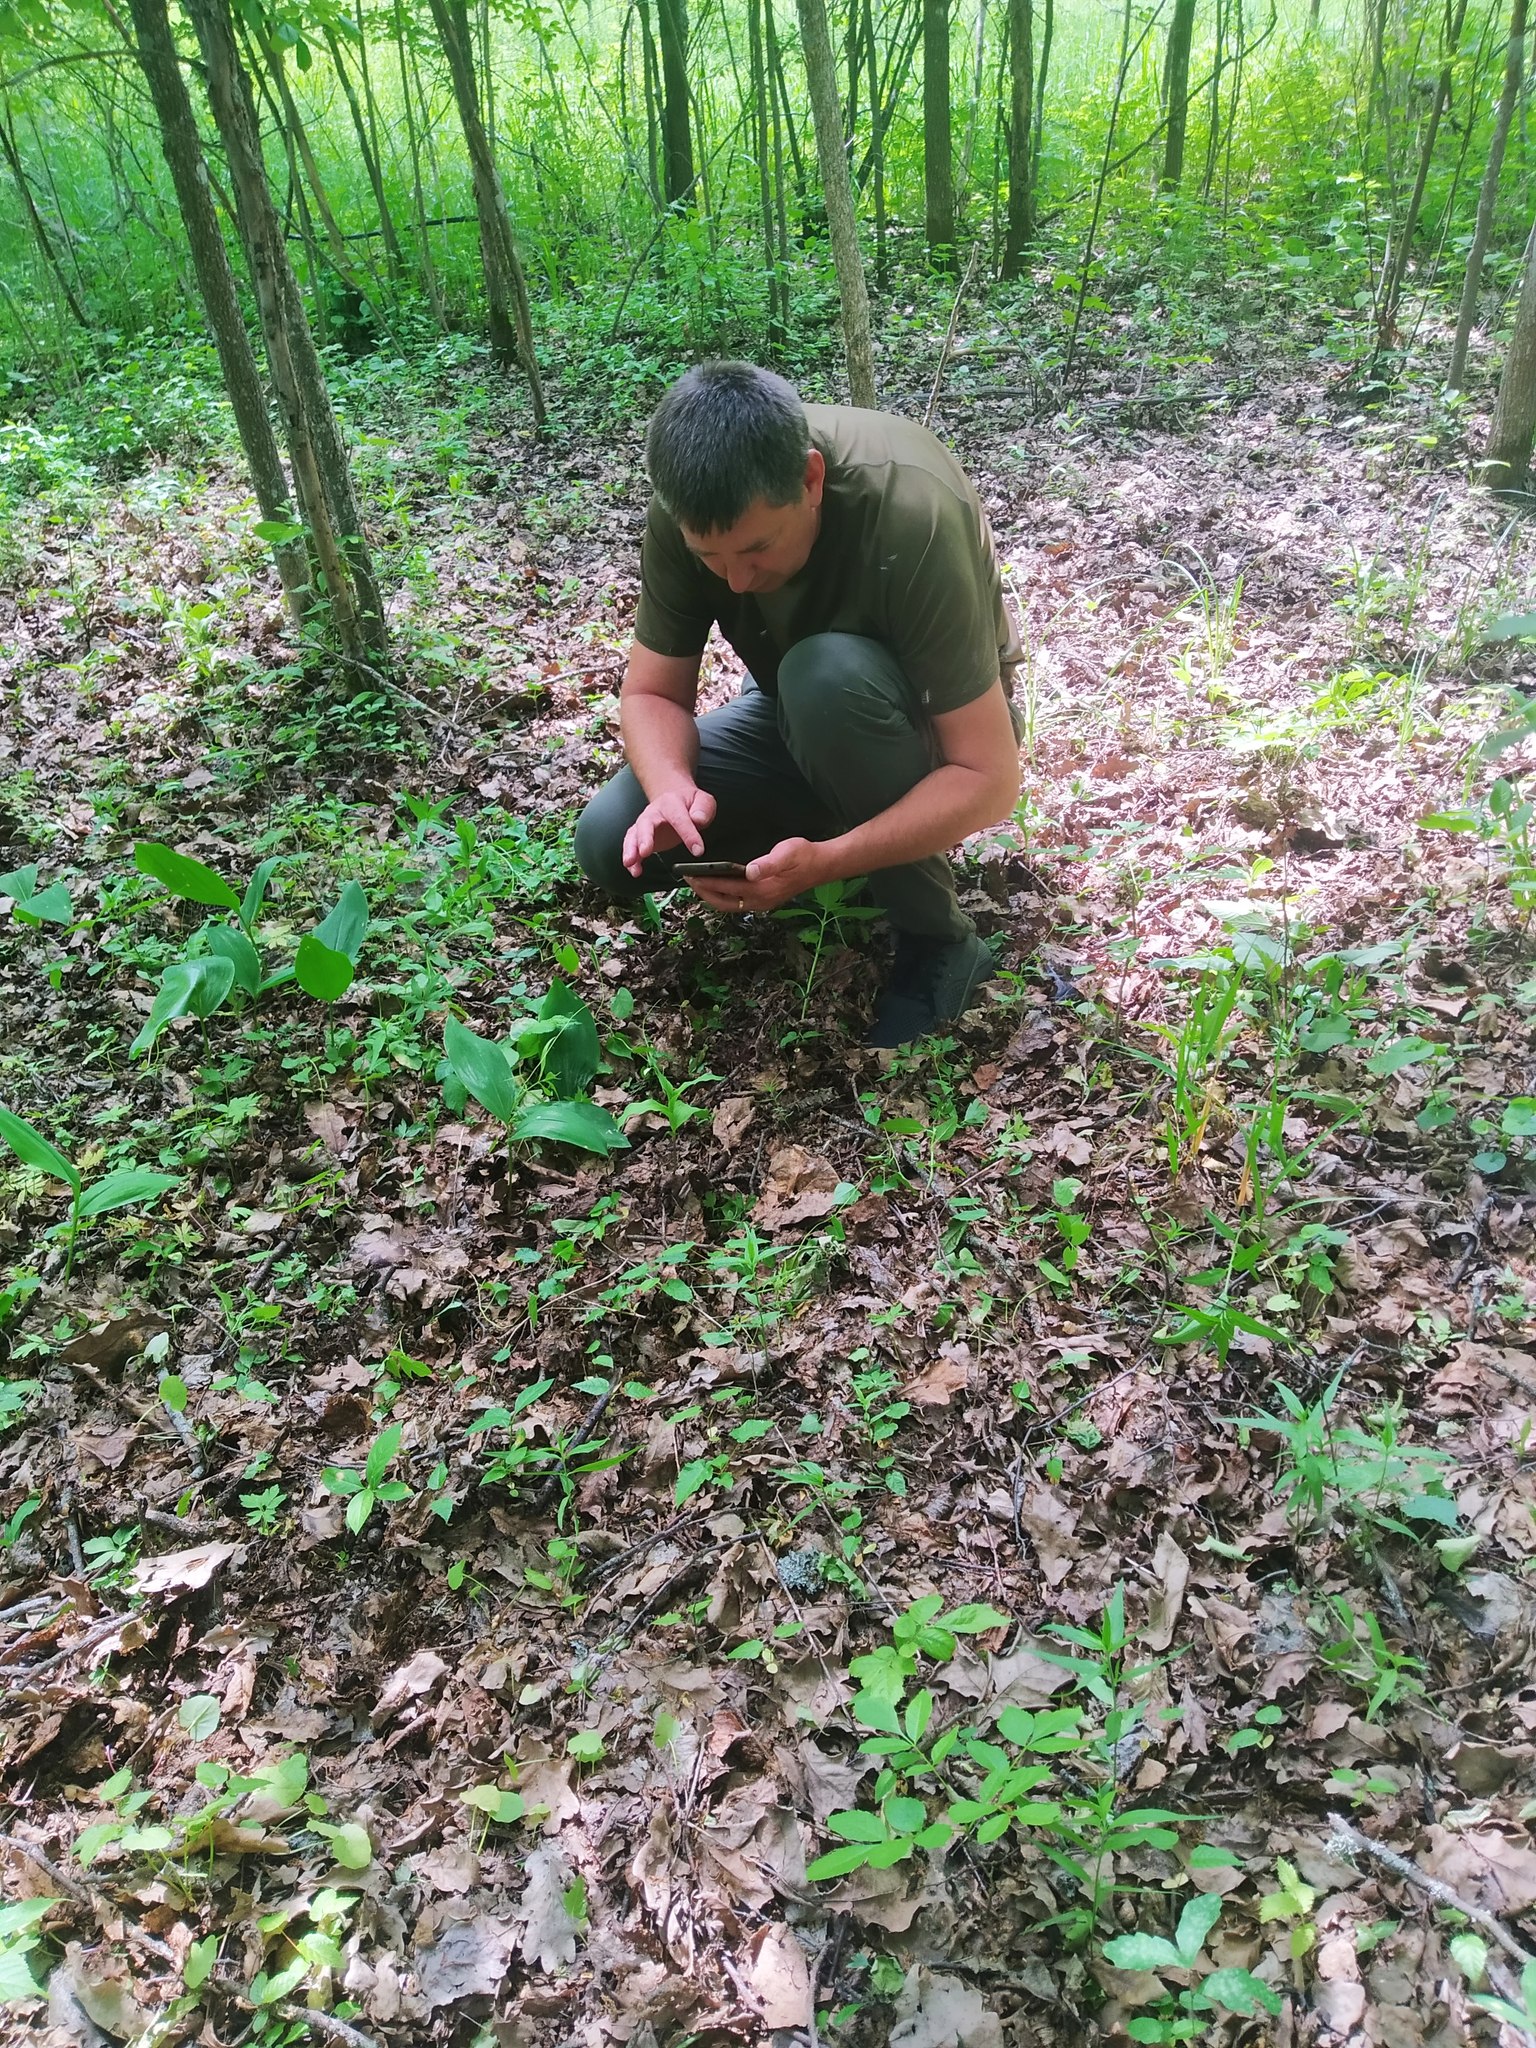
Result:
<point x="1248" y="1105"/>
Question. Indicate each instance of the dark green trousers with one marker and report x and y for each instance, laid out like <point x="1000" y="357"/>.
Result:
<point x="844" y="739"/>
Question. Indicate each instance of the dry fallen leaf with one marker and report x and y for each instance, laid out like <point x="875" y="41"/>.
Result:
<point x="779" y="1977"/>
<point x="937" y="1387"/>
<point x="411" y="1682"/>
<point x="732" y="1119"/>
<point x="801" y="1187"/>
<point x="549" y="1936"/>
<point x="180" y="1571"/>
<point x="936" y="2011"/>
<point x="461" y="1951"/>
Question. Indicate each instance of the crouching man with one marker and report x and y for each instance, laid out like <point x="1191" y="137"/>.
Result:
<point x="847" y="559"/>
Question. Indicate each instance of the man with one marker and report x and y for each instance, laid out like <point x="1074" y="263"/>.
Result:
<point x="846" y="558"/>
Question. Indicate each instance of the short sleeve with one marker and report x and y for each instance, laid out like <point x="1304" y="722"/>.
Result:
<point x="944" y="615"/>
<point x="675" y="613"/>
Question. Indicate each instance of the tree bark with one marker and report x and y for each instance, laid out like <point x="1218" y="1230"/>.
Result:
<point x="1487" y="201"/>
<point x="39" y="226"/>
<point x="1021" y="141"/>
<point x="758" y="87"/>
<point x="506" y="288"/>
<point x="1392" y="286"/>
<point x="938" y="155"/>
<point x="676" y="110"/>
<point x="369" y="155"/>
<point x="1506" y="464"/>
<point x="837" y="188"/>
<point x="322" y="479"/>
<point x="1181" y="32"/>
<point x="182" y="145"/>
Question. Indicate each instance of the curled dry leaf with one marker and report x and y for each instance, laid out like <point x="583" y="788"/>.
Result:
<point x="180" y="1571"/>
<point x="801" y="1187"/>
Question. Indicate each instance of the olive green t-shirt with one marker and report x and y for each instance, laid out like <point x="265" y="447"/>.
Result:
<point x="904" y="555"/>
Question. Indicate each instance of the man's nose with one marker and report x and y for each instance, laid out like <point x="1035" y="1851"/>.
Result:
<point x="739" y="579"/>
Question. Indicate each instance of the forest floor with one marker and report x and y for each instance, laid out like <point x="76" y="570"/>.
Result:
<point x="898" y="1365"/>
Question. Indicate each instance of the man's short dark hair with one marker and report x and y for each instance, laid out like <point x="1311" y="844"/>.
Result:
<point x="723" y="436"/>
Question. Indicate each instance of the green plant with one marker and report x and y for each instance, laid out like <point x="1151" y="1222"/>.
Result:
<point x="880" y="1417"/>
<point x="1187" y="2016"/>
<point x="1073" y="1230"/>
<point x="1369" y="1475"/>
<point x="560" y="1464"/>
<point x="1355" y="1649"/>
<point x="262" y="1509"/>
<point x="1502" y="820"/>
<point x="370" y="1488"/>
<point x="670" y="1103"/>
<point x="1199" y="1046"/>
<point x="124" y="1188"/>
<point x="1522" y="2017"/>
<point x="11" y="1532"/>
<point x="224" y="957"/>
<point x="31" y="905"/>
<point x="561" y="1042"/>
<point x="20" y="1941"/>
<point x="1292" y="1901"/>
<point x="828" y="914"/>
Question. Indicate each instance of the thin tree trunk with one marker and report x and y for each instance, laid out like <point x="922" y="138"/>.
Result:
<point x="1021" y="141"/>
<point x="366" y="150"/>
<point x="1392" y="285"/>
<point x="413" y="147"/>
<point x="651" y="71"/>
<point x="780" y="203"/>
<point x="1085" y="265"/>
<point x="1047" y="37"/>
<point x="837" y="188"/>
<point x="876" y="144"/>
<point x="1508" y="458"/>
<point x="1181" y="31"/>
<point x="39" y="226"/>
<point x="938" y="153"/>
<point x="676" y="113"/>
<point x="182" y="145"/>
<point x="322" y="480"/>
<point x="511" y="325"/>
<point x="758" y="88"/>
<point x="978" y="94"/>
<point x="781" y="84"/>
<point x="1487" y="201"/>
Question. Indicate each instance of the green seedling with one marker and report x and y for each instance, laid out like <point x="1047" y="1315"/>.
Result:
<point x="828" y="915"/>
<point x="31" y="905"/>
<point x="1187" y="2016"/>
<point x="1073" y="1230"/>
<point x="20" y="1941"/>
<point x="1503" y="821"/>
<point x="1355" y="1648"/>
<point x="127" y="1187"/>
<point x="1521" y="2017"/>
<point x="1367" y="1475"/>
<point x="1291" y="1901"/>
<point x="561" y="1043"/>
<point x="670" y="1103"/>
<point x="370" y="1488"/>
<point x="223" y="957"/>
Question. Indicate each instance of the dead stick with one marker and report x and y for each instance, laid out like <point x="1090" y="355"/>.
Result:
<point x="328" y="2027"/>
<point x="1347" y="1837"/>
<point x="51" y="1871"/>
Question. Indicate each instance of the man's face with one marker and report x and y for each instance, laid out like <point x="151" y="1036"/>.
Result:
<point x="769" y="543"/>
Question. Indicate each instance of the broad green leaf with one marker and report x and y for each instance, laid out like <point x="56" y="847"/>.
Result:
<point x="587" y="1746"/>
<point x="1469" y="1952"/>
<point x="17" y="1982"/>
<point x="23" y="1916"/>
<point x="48" y="906"/>
<point x="256" y="889"/>
<point x="581" y="1124"/>
<point x="974" y="1619"/>
<point x="187" y="988"/>
<point x="225" y="943"/>
<point x="174" y="1392"/>
<point x="484" y="1066"/>
<point x="905" y="1816"/>
<point x="201" y="1957"/>
<point x="1513" y="626"/>
<point x="126" y="1188"/>
<point x="321" y="970"/>
<point x="1519" y="1118"/>
<point x="382" y="1454"/>
<point x="857" y="1826"/>
<point x="277" y="533"/>
<point x="20" y="884"/>
<point x="838" y="1862"/>
<point x="1239" y="1991"/>
<point x="502" y="1807"/>
<point x="267" y="1990"/>
<point x="345" y="926"/>
<point x="34" y="1150"/>
<point x="349" y="1844"/>
<point x="572" y="1055"/>
<point x="1195" y="1923"/>
<point x="199" y="1715"/>
<point x="1142" y="1952"/>
<point x="190" y="879"/>
<point x="1209" y="1857"/>
<point x="359" y="1508"/>
<point x="1403" y="1052"/>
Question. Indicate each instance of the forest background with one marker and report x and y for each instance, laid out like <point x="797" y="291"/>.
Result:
<point x="547" y="1495"/>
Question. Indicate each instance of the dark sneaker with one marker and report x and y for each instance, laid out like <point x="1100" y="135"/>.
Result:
<point x="932" y="981"/>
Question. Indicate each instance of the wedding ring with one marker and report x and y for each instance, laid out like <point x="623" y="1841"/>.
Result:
<point x="741" y="902"/>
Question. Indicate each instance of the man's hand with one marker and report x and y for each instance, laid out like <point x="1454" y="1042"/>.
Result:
<point x="784" y="871"/>
<point x="672" y="819"/>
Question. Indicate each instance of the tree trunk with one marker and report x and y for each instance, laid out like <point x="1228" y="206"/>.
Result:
<point x="369" y="155"/>
<point x="676" y="112"/>
<point x="1514" y="69"/>
<point x="938" y="165"/>
<point x="1021" y="141"/>
<point x="39" y="226"/>
<point x="837" y="188"/>
<point x="1508" y="458"/>
<point x="506" y="288"/>
<point x="413" y="145"/>
<point x="179" y="139"/>
<point x="1392" y="285"/>
<point x="1181" y="31"/>
<point x="322" y="480"/>
<point x="1047" y="37"/>
<point x="876" y="143"/>
<point x="758" y="87"/>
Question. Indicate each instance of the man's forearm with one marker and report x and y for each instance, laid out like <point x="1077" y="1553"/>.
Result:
<point x="661" y="742"/>
<point x="947" y="806"/>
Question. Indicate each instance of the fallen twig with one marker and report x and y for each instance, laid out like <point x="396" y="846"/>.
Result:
<point x="70" y="1886"/>
<point x="1350" y="1838"/>
<point x="327" y="2026"/>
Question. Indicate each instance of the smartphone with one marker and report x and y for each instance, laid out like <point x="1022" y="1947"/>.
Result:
<point x="710" y="870"/>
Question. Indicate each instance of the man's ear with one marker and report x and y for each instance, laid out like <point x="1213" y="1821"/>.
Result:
<point x="815" y="475"/>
